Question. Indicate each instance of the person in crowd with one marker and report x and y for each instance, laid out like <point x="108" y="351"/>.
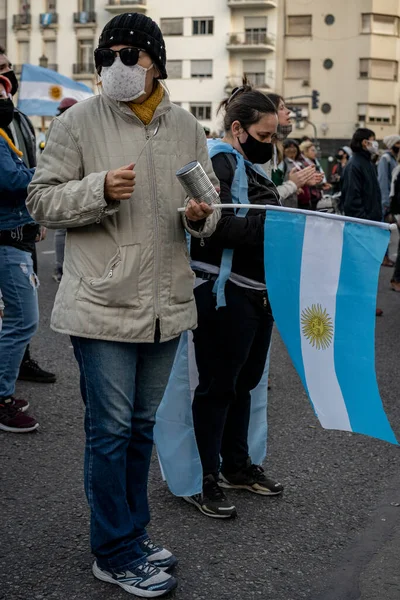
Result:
<point x="231" y="350"/>
<point x="394" y="210"/>
<point x="292" y="163"/>
<point x="386" y="165"/>
<point x="361" y="194"/>
<point x="22" y="134"/>
<point x="18" y="281"/>
<point x="342" y="158"/>
<point x="314" y="192"/>
<point x="127" y="288"/>
<point x="296" y="178"/>
<point x="59" y="236"/>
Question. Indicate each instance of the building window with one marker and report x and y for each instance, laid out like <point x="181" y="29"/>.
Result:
<point x="380" y="24"/>
<point x="255" y="30"/>
<point x="203" y="26"/>
<point x="172" y="26"/>
<point x="85" y="55"/>
<point x="50" y="51"/>
<point x="298" y="69"/>
<point x="373" y="68"/>
<point x="174" y="69"/>
<point x="201" y="68"/>
<point x="85" y="5"/>
<point x="23" y="52"/>
<point x="254" y="70"/>
<point x="384" y="114"/>
<point x="51" y="6"/>
<point x="201" y="111"/>
<point x="299" y="25"/>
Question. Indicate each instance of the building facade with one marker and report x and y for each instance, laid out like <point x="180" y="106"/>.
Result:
<point x="349" y="51"/>
<point x="209" y="45"/>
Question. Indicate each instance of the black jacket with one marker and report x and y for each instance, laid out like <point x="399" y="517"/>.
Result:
<point x="361" y="194"/>
<point x="245" y="235"/>
<point x="23" y="123"/>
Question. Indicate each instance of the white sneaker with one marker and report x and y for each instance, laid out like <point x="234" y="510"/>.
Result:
<point x="144" y="580"/>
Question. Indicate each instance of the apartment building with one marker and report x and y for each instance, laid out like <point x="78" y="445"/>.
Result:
<point x="349" y="51"/>
<point x="210" y="45"/>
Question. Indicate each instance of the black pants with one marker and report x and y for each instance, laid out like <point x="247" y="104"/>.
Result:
<point x="231" y="346"/>
<point x="396" y="274"/>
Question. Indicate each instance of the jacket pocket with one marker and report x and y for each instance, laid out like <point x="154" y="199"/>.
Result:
<point x="119" y="284"/>
<point x="182" y="276"/>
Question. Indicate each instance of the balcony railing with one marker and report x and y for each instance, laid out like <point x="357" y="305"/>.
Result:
<point x="252" y="39"/>
<point x="85" y="18"/>
<point x="253" y="3"/>
<point x="257" y="80"/>
<point x="52" y="66"/>
<point x="116" y="6"/>
<point x="83" y="69"/>
<point x="49" y="19"/>
<point x="22" y="21"/>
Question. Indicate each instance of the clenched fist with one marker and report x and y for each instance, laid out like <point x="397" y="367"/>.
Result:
<point x="120" y="183"/>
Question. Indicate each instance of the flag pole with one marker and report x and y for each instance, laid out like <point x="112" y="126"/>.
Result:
<point x="312" y="213"/>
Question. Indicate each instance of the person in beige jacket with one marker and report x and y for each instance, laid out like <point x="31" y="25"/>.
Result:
<point x="107" y="175"/>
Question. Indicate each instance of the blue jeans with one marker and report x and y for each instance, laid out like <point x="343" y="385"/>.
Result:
<point x="122" y="385"/>
<point x="18" y="284"/>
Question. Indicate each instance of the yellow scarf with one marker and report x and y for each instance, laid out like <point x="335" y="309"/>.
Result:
<point x="10" y="143"/>
<point x="146" y="110"/>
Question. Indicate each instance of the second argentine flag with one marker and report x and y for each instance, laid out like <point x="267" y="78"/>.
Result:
<point x="322" y="276"/>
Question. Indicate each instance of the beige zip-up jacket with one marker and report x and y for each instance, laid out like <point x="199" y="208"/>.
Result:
<point x="126" y="263"/>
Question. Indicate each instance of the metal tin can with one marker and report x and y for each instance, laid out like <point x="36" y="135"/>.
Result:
<point x="196" y="183"/>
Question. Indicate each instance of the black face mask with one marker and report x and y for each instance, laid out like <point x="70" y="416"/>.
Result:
<point x="395" y="149"/>
<point x="257" y="152"/>
<point x="6" y="112"/>
<point x="339" y="157"/>
<point x="14" y="81"/>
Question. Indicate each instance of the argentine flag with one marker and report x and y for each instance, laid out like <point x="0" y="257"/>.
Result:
<point x="174" y="433"/>
<point x="322" y="278"/>
<point x="41" y="91"/>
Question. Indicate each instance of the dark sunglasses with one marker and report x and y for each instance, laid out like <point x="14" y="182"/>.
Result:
<point x="104" y="57"/>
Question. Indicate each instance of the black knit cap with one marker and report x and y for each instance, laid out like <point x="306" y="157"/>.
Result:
<point x="139" y="31"/>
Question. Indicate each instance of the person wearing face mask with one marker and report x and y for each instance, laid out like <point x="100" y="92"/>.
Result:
<point x="108" y="175"/>
<point x="231" y="343"/>
<point x="17" y="279"/>
<point x="361" y="194"/>
<point x="288" y="182"/>
<point x="342" y="157"/>
<point x="386" y="165"/>
<point x="22" y="134"/>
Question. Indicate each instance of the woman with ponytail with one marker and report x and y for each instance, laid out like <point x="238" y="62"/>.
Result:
<point x="234" y="314"/>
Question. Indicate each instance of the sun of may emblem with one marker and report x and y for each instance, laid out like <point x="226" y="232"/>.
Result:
<point x="317" y="326"/>
<point x="55" y="92"/>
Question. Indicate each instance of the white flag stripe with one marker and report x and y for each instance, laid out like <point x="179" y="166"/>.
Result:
<point x="40" y="90"/>
<point x="320" y="271"/>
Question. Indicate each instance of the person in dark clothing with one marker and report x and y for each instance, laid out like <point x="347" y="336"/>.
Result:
<point x="342" y="157"/>
<point x="395" y="211"/>
<point x="361" y="194"/>
<point x="231" y="343"/>
<point x="22" y="134"/>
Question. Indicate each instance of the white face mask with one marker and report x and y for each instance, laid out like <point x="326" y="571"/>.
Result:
<point x="124" y="83"/>
<point x="373" y="147"/>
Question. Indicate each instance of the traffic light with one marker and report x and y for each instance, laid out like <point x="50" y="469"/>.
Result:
<point x="315" y="99"/>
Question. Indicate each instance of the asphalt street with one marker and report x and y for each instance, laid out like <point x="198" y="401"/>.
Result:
<point x="333" y="535"/>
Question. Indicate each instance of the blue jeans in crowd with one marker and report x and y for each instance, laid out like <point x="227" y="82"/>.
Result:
<point x="18" y="284"/>
<point x="122" y="385"/>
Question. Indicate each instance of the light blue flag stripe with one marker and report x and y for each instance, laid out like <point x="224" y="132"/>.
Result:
<point x="283" y="248"/>
<point x="363" y="249"/>
<point x="42" y="75"/>
<point x="40" y="108"/>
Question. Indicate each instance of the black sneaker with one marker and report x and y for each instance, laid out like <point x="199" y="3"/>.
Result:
<point x="30" y="371"/>
<point x="251" y="478"/>
<point x="212" y="502"/>
<point x="144" y="580"/>
<point x="158" y="556"/>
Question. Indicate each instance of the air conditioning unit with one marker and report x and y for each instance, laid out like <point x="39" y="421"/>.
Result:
<point x="305" y="83"/>
<point x="301" y="125"/>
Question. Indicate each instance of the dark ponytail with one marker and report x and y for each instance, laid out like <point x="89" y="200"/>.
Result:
<point x="245" y="105"/>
